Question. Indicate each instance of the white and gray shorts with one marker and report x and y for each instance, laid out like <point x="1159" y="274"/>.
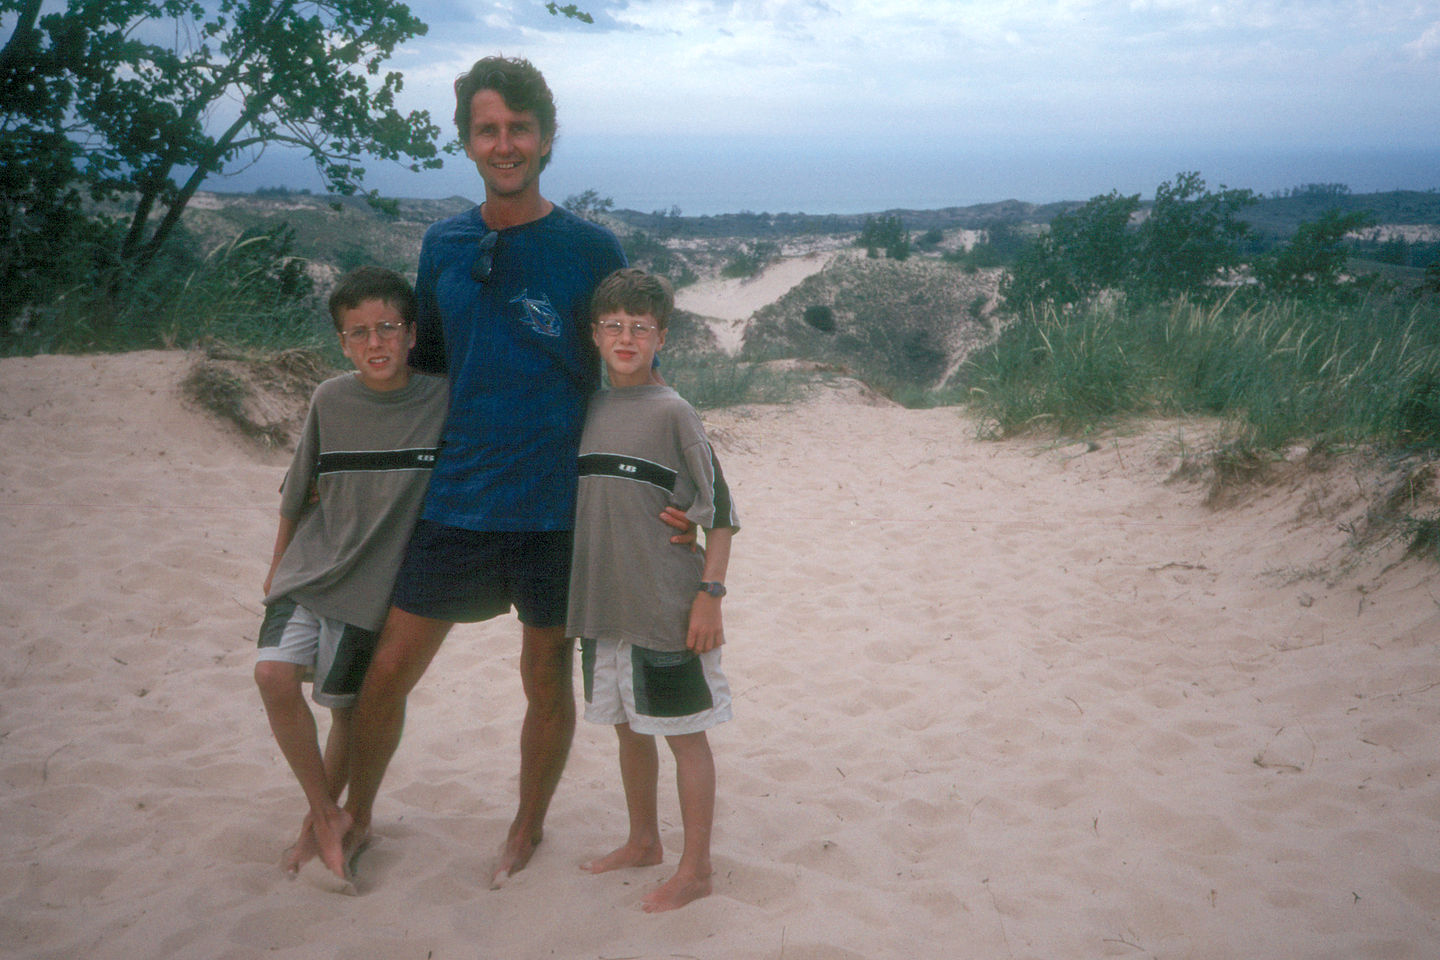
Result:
<point x="656" y="692"/>
<point x="335" y="654"/>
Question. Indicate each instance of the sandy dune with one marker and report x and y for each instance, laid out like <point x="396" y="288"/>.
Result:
<point x="728" y="303"/>
<point x="994" y="700"/>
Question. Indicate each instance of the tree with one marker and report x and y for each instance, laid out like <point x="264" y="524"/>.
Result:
<point x="146" y="99"/>
<point x="1087" y="250"/>
<point x="886" y="233"/>
<point x="589" y="204"/>
<point x="40" y="195"/>
<point x="1313" y="259"/>
<point x="1189" y="239"/>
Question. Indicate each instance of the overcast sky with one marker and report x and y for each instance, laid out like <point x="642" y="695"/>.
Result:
<point x="896" y="81"/>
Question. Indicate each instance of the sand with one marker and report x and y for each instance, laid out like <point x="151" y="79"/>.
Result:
<point x="994" y="700"/>
<point x="727" y="303"/>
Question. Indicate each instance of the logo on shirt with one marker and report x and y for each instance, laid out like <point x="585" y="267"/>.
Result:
<point x="627" y="468"/>
<point x="538" y="315"/>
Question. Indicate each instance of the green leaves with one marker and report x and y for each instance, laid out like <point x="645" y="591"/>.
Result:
<point x="152" y="97"/>
<point x="886" y="233"/>
<point x="1310" y="264"/>
<point x="1181" y="245"/>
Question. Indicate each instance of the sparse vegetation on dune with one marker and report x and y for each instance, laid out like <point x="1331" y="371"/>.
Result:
<point x="899" y="325"/>
<point x="921" y="330"/>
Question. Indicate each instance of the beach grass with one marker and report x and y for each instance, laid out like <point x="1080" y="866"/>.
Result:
<point x="714" y="382"/>
<point x="1279" y="371"/>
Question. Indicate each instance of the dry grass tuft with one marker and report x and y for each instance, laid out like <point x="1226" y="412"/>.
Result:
<point x="266" y="397"/>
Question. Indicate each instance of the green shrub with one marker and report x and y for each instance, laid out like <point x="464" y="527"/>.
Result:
<point x="820" y="317"/>
<point x="749" y="259"/>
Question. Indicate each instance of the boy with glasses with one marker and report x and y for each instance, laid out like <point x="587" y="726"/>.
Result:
<point x="347" y="506"/>
<point x="647" y="610"/>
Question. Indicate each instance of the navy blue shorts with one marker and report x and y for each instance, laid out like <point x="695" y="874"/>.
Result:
<point x="464" y="576"/>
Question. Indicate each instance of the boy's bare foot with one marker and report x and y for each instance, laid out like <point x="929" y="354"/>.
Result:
<point x="301" y="851"/>
<point x="331" y="836"/>
<point x="514" y="855"/>
<point x="630" y="855"/>
<point x="675" y="893"/>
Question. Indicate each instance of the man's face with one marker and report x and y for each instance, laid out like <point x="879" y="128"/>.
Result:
<point x="505" y="145"/>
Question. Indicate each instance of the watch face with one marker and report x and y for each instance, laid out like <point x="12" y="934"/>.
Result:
<point x="714" y="589"/>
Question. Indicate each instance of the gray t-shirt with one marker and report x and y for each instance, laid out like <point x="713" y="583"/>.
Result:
<point x="643" y="449"/>
<point x="368" y="455"/>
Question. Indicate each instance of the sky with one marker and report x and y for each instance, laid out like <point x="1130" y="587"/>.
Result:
<point x="845" y="105"/>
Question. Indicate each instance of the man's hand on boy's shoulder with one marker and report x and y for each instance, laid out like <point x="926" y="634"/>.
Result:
<point x="676" y="518"/>
<point x="707" y="629"/>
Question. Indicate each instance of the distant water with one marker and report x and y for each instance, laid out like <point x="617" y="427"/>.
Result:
<point x="729" y="180"/>
<point x="765" y="177"/>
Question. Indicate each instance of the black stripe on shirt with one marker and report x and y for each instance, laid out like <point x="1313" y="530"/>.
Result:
<point x="355" y="461"/>
<point x="627" y="468"/>
<point x="724" y="506"/>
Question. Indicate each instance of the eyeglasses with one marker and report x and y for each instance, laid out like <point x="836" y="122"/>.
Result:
<point x="387" y="329"/>
<point x="639" y="329"/>
<point x="484" y="263"/>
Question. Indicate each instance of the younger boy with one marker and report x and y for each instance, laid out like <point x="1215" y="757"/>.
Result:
<point x="346" y="509"/>
<point x="648" y="610"/>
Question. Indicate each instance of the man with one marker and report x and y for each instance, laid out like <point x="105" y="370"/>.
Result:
<point x="504" y="295"/>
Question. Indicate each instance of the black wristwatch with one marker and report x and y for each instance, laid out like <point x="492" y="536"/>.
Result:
<point x="713" y="588"/>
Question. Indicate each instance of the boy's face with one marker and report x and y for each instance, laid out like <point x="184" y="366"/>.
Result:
<point x="377" y="340"/>
<point x="627" y="344"/>
<point x="505" y="145"/>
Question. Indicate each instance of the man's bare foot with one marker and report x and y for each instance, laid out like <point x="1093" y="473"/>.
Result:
<point x="355" y="839"/>
<point x="632" y="854"/>
<point x="675" y="893"/>
<point x="514" y="855"/>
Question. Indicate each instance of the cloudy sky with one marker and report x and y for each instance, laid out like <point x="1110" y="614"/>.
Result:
<point x="1036" y="99"/>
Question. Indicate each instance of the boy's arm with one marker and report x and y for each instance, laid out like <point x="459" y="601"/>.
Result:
<point x="283" y="536"/>
<point x="707" y="630"/>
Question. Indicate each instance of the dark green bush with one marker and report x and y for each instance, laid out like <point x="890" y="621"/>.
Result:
<point x="820" y="317"/>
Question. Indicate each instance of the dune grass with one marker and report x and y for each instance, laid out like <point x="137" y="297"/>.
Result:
<point x="1280" y="371"/>
<point x="713" y="382"/>
<point x="250" y="291"/>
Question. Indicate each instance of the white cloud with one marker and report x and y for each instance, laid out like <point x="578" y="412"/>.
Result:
<point x="1427" y="44"/>
<point x="1019" y="71"/>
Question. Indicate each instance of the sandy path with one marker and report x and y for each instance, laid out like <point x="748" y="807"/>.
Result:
<point x="993" y="700"/>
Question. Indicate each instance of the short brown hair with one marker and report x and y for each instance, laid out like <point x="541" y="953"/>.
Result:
<point x="373" y="283"/>
<point x="520" y="85"/>
<point x="633" y="291"/>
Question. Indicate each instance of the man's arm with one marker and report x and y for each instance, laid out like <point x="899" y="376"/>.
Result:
<point x="676" y="518"/>
<point x="428" y="354"/>
<point x="707" y="630"/>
